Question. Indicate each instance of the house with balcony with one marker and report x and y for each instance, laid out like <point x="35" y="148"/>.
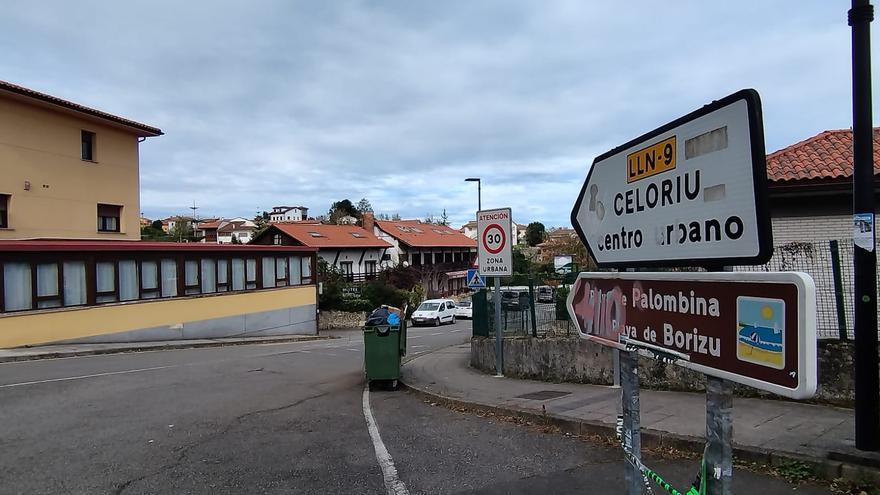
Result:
<point x="441" y="253"/>
<point x="357" y="253"/>
<point x="73" y="267"/>
<point x="288" y="214"/>
<point x="226" y="230"/>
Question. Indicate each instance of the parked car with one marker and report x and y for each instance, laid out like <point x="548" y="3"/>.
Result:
<point x="464" y="309"/>
<point x="434" y="312"/>
<point x="545" y="294"/>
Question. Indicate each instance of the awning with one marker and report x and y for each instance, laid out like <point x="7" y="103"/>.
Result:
<point x="458" y="274"/>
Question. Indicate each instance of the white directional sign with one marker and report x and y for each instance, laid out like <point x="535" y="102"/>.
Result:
<point x="494" y="243"/>
<point x="692" y="192"/>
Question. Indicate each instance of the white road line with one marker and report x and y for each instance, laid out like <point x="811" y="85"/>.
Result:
<point x="418" y="346"/>
<point x="453" y="331"/>
<point x="416" y="336"/>
<point x="436" y="333"/>
<point x="393" y="485"/>
<point x="353" y="350"/>
<point x="87" y="376"/>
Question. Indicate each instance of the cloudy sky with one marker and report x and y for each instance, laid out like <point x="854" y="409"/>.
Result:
<point x="284" y="102"/>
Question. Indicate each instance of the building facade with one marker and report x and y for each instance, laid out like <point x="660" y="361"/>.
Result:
<point x="288" y="214"/>
<point x="354" y="251"/>
<point x="441" y="253"/>
<point x="73" y="268"/>
<point x="67" y="171"/>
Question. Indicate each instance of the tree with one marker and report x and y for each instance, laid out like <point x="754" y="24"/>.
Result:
<point x="261" y="221"/>
<point x="157" y="225"/>
<point x="364" y="206"/>
<point x="535" y="233"/>
<point x="235" y="239"/>
<point x="429" y="218"/>
<point x="444" y="219"/>
<point x="183" y="230"/>
<point x="341" y="209"/>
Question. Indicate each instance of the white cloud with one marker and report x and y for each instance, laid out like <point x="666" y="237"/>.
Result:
<point x="272" y="102"/>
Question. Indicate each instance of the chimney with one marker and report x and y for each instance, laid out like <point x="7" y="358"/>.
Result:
<point x="368" y="221"/>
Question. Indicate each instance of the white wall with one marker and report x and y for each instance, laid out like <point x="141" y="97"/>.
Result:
<point x="353" y="255"/>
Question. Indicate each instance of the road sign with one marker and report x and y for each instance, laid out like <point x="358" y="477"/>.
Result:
<point x="692" y="192"/>
<point x="494" y="241"/>
<point x="475" y="280"/>
<point x="754" y="328"/>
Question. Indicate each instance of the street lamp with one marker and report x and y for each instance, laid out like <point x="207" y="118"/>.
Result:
<point x="479" y="193"/>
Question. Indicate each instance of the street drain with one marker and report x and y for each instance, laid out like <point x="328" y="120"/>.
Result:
<point x="543" y="395"/>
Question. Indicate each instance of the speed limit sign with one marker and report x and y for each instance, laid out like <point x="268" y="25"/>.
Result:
<point x="494" y="242"/>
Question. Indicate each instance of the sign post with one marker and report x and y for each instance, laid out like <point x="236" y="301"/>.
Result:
<point x="867" y="400"/>
<point x="692" y="193"/>
<point x="495" y="258"/>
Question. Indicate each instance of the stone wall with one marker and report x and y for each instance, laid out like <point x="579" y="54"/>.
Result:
<point x="572" y="359"/>
<point x="328" y="320"/>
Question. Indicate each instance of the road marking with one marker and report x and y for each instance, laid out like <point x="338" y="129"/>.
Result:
<point x="353" y="350"/>
<point x="416" y="336"/>
<point x="453" y="331"/>
<point x="436" y="333"/>
<point x="87" y="376"/>
<point x="393" y="485"/>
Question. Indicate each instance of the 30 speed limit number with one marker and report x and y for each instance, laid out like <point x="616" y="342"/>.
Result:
<point x="494" y="246"/>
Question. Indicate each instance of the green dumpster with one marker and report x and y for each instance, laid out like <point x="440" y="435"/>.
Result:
<point x="384" y="345"/>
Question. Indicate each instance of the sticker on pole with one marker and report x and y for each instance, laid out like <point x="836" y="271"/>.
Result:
<point x="475" y="280"/>
<point x="494" y="250"/>
<point x="692" y="192"/>
<point x="754" y="328"/>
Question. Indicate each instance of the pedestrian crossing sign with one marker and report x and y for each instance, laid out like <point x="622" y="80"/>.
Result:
<point x="475" y="280"/>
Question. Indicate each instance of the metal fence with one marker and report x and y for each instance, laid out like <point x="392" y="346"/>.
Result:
<point x="830" y="263"/>
<point x="524" y="315"/>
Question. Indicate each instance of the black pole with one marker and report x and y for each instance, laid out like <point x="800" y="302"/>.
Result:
<point x="839" y="304"/>
<point x="867" y="400"/>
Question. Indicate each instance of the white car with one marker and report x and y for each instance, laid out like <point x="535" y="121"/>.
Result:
<point x="464" y="309"/>
<point x="434" y="312"/>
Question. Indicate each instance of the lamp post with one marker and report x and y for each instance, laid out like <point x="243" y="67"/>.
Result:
<point x="479" y="193"/>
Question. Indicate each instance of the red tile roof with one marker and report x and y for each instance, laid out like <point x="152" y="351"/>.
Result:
<point x="414" y="233"/>
<point x="142" y="130"/>
<point x="827" y="155"/>
<point x="330" y="236"/>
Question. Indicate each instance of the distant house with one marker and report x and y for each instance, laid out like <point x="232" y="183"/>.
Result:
<point x="442" y="253"/>
<point x="347" y="220"/>
<point x="356" y="252"/>
<point x="169" y="223"/>
<point x="288" y="214"/>
<point x="223" y="230"/>
<point x="145" y="222"/>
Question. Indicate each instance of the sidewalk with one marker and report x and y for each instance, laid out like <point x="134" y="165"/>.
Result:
<point x="765" y="431"/>
<point x="71" y="350"/>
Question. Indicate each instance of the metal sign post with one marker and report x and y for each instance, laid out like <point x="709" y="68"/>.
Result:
<point x="867" y="401"/>
<point x="495" y="258"/>
<point x="719" y="435"/>
<point x="632" y="436"/>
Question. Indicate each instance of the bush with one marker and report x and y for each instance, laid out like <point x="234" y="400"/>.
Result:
<point x="562" y="302"/>
<point x="357" y="306"/>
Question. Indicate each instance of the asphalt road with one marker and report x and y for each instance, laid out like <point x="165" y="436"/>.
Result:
<point x="275" y="418"/>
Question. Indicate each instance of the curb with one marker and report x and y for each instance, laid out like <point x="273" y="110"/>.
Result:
<point x="146" y="348"/>
<point x="824" y="469"/>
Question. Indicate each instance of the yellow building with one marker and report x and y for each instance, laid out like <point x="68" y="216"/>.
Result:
<point x="67" y="171"/>
<point x="69" y="202"/>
